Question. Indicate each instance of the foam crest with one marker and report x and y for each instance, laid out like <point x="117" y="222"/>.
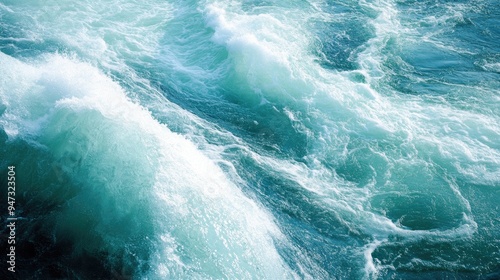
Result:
<point x="159" y="189"/>
<point x="261" y="42"/>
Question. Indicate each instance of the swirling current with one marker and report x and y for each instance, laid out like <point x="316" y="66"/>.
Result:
<point x="273" y="139"/>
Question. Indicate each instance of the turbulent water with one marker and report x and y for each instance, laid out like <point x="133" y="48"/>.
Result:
<point x="273" y="139"/>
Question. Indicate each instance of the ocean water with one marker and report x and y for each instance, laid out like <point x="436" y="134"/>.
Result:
<point x="274" y="139"/>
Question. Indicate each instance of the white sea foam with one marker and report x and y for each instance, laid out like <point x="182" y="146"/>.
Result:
<point x="345" y="122"/>
<point x="157" y="186"/>
<point x="371" y="269"/>
<point x="494" y="66"/>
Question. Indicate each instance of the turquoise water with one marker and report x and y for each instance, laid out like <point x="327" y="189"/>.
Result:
<point x="252" y="139"/>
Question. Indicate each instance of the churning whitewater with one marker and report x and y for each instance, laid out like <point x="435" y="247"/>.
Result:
<point x="212" y="139"/>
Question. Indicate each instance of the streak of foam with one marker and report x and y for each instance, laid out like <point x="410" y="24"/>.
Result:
<point x="371" y="270"/>
<point x="386" y="26"/>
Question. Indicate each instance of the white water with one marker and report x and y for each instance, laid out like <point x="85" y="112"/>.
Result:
<point x="373" y="162"/>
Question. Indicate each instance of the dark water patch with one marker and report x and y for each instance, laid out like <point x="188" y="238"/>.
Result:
<point x="418" y="211"/>
<point x="46" y="247"/>
<point x="21" y="48"/>
<point x="41" y="190"/>
<point x="438" y="259"/>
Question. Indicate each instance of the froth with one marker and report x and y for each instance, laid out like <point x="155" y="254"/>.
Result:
<point x="90" y="126"/>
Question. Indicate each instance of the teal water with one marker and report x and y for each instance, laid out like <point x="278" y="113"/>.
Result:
<point x="252" y="139"/>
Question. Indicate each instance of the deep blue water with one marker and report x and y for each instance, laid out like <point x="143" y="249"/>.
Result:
<point x="252" y="139"/>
